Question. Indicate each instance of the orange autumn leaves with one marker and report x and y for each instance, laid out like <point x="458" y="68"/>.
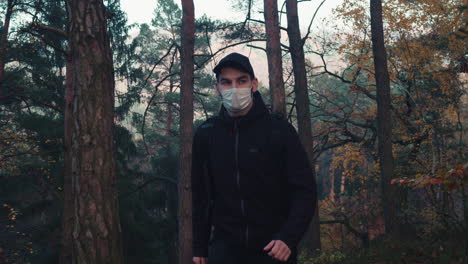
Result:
<point x="451" y="180"/>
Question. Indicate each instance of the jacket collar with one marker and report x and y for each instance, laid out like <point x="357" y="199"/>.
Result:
<point x="258" y="110"/>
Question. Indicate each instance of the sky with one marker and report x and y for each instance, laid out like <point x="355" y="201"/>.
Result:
<point x="141" y="11"/>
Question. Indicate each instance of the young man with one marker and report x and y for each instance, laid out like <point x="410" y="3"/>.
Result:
<point x="252" y="184"/>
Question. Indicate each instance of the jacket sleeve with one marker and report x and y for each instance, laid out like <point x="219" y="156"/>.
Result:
<point x="201" y="209"/>
<point x="301" y="188"/>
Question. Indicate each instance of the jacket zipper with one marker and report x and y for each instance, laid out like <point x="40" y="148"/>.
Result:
<point x="236" y="129"/>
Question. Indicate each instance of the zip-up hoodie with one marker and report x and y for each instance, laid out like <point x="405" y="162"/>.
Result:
<point x="251" y="181"/>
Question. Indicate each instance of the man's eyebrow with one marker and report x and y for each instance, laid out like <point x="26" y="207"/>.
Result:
<point x="238" y="78"/>
<point x="242" y="77"/>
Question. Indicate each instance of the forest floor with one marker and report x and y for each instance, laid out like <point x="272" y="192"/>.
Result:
<point x="394" y="252"/>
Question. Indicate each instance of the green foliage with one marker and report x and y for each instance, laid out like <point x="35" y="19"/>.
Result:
<point x="167" y="15"/>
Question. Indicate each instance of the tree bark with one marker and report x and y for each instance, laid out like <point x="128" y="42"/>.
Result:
<point x="384" y="121"/>
<point x="96" y="236"/>
<point x="275" y="63"/>
<point x="465" y="216"/>
<point x="169" y="112"/>
<point x="186" y="132"/>
<point x="3" y="46"/>
<point x="312" y="237"/>
<point x="68" y="209"/>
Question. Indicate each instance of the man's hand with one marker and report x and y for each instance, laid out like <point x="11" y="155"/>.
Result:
<point x="200" y="260"/>
<point x="279" y="250"/>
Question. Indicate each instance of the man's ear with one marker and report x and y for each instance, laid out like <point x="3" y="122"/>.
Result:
<point x="254" y="85"/>
<point x="217" y="89"/>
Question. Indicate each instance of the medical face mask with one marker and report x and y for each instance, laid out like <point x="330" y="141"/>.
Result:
<point x="236" y="99"/>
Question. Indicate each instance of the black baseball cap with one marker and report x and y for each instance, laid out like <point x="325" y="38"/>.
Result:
<point x="235" y="60"/>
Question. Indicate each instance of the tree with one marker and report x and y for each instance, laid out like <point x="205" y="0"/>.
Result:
<point x="384" y="121"/>
<point x="66" y="253"/>
<point x="186" y="132"/>
<point x="4" y="43"/>
<point x="312" y="238"/>
<point x="97" y="231"/>
<point x="275" y="62"/>
<point x="425" y="56"/>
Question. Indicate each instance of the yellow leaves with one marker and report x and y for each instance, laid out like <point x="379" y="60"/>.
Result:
<point x="451" y="114"/>
<point x="358" y="14"/>
<point x="12" y="212"/>
<point x="408" y="27"/>
<point x="14" y="144"/>
<point x="352" y="10"/>
<point x="350" y="159"/>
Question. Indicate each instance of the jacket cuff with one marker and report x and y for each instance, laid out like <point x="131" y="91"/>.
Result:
<point x="201" y="252"/>
<point x="290" y="243"/>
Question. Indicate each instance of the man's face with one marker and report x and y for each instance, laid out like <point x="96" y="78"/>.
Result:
<point x="233" y="78"/>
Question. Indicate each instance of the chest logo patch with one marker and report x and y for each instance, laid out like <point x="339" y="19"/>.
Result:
<point x="253" y="150"/>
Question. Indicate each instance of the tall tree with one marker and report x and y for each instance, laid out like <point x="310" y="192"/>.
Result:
<point x="4" y="43"/>
<point x="312" y="238"/>
<point x="186" y="130"/>
<point x="275" y="62"/>
<point x="384" y="121"/>
<point x="66" y="252"/>
<point x="96" y="224"/>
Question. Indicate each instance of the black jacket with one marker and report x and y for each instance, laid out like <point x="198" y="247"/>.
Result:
<point x="251" y="180"/>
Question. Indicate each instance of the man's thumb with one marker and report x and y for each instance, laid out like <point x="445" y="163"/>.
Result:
<point x="270" y="245"/>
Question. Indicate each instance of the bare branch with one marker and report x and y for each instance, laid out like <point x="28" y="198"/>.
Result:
<point x="263" y="22"/>
<point x="157" y="63"/>
<point x="37" y="25"/>
<point x="311" y="21"/>
<point x="256" y="47"/>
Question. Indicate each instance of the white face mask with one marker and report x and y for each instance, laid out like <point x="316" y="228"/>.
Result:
<point x="236" y="99"/>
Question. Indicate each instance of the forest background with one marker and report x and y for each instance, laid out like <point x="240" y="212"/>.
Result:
<point x="382" y="114"/>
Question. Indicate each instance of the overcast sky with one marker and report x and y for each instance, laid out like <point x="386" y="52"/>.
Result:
<point x="141" y="11"/>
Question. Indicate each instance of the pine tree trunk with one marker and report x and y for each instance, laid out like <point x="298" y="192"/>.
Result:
<point x="465" y="216"/>
<point x="67" y="217"/>
<point x="312" y="238"/>
<point x="384" y="121"/>
<point x="332" y="194"/>
<point x="3" y="46"/>
<point x="96" y="225"/>
<point x="186" y="128"/>
<point x="275" y="63"/>
<point x="169" y="112"/>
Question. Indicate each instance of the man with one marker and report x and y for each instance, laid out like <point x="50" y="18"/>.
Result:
<point x="252" y="184"/>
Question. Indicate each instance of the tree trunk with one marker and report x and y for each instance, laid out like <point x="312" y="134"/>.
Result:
<point x="169" y="112"/>
<point x="332" y="193"/>
<point x="275" y="63"/>
<point x="384" y="121"/>
<point x="312" y="238"/>
<point x="68" y="209"/>
<point x="96" y="223"/>
<point x="186" y="128"/>
<point x="465" y="216"/>
<point x="3" y="46"/>
<point x="323" y="179"/>
<point x="337" y="174"/>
